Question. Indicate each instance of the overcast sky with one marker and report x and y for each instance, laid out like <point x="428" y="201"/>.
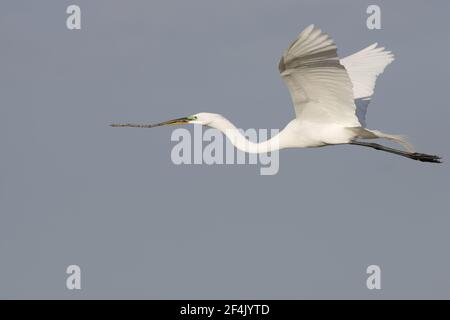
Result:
<point x="75" y="191"/>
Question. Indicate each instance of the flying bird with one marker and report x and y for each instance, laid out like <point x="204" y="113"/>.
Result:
<point x="330" y="98"/>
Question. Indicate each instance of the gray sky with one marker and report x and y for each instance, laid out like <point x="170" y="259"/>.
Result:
<point x="75" y="191"/>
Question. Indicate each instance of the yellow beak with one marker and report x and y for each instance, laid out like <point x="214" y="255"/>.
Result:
<point x="183" y="120"/>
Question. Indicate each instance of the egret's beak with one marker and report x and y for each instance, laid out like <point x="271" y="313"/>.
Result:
<point x="183" y="120"/>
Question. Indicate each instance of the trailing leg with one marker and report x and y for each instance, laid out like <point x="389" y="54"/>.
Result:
<point x="411" y="155"/>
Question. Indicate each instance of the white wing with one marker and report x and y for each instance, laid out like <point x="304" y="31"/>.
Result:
<point x="319" y="85"/>
<point x="363" y="68"/>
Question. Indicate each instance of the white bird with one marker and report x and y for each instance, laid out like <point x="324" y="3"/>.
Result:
<point x="330" y="98"/>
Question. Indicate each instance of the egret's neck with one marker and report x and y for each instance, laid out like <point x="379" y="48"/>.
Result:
<point x="241" y="142"/>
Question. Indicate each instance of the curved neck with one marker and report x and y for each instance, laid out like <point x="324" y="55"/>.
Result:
<point x="241" y="142"/>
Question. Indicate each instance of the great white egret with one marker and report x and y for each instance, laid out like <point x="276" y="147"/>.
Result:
<point x="330" y="97"/>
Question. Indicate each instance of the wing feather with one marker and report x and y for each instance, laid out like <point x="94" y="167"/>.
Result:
<point x="363" y="68"/>
<point x="319" y="85"/>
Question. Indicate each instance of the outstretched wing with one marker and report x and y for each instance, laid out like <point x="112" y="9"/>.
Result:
<point x="319" y="85"/>
<point x="363" y="68"/>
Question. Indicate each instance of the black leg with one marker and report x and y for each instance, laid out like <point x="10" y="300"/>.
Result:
<point x="411" y="155"/>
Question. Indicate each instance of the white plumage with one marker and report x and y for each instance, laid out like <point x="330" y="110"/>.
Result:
<point x="320" y="87"/>
<point x="363" y="68"/>
<point x="330" y="98"/>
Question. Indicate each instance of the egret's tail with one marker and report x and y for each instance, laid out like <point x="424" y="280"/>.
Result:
<point x="364" y="133"/>
<point x="393" y="137"/>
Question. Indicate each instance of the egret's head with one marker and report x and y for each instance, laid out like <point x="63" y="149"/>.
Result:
<point x="204" y="118"/>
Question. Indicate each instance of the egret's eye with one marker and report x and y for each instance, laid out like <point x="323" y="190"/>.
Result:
<point x="192" y="118"/>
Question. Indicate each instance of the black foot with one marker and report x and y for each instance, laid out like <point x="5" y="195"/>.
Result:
<point x="425" y="157"/>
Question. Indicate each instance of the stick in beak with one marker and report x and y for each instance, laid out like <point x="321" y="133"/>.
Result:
<point x="183" y="120"/>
